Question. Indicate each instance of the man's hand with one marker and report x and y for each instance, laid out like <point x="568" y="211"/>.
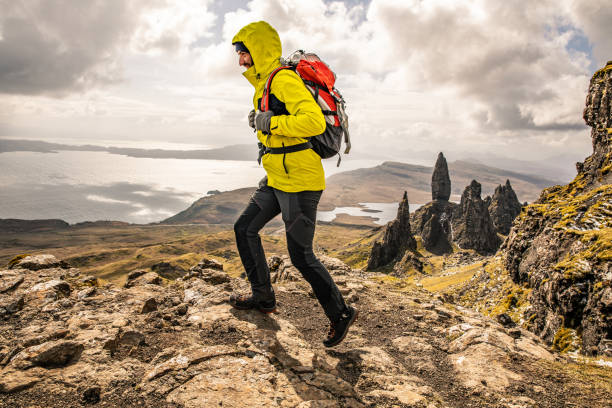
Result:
<point x="262" y="121"/>
<point x="252" y="118"/>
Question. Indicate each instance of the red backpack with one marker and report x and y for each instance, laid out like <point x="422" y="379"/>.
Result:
<point x="320" y="80"/>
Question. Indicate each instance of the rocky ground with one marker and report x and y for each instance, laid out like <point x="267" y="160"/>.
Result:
<point x="67" y="340"/>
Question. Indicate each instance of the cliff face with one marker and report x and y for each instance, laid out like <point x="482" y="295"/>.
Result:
<point x="561" y="246"/>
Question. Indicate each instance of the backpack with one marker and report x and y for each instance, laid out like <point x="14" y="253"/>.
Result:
<point x="319" y="80"/>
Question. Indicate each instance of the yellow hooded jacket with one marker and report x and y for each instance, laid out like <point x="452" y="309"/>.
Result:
<point x="301" y="116"/>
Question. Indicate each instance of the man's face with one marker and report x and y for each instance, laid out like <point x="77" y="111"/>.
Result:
<point x="244" y="59"/>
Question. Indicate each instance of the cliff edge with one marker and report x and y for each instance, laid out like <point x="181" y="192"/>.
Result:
<point x="560" y="247"/>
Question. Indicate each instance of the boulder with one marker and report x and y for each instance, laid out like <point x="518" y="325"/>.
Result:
<point x="17" y="380"/>
<point x="281" y="269"/>
<point x="36" y="262"/>
<point x="52" y="290"/>
<point x="150" y="305"/>
<point x="85" y="293"/>
<point x="209" y="270"/>
<point x="11" y="305"/>
<point x="138" y="278"/>
<point x="215" y="276"/>
<point x="206" y="263"/>
<point x="50" y="354"/>
<point x="334" y="265"/>
<point x="168" y="270"/>
<point x="9" y="283"/>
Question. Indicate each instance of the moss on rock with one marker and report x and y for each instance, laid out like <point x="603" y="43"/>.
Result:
<point x="565" y="340"/>
<point x="16" y="260"/>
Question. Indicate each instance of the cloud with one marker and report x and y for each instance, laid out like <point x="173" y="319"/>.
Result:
<point x="500" y="56"/>
<point x="61" y="46"/>
<point x="594" y="19"/>
<point x="417" y="75"/>
<point x="67" y="46"/>
<point x="174" y="27"/>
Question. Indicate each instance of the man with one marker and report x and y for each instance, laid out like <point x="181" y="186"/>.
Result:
<point x="294" y="183"/>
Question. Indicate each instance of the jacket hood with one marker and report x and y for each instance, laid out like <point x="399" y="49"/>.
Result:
<point x="264" y="44"/>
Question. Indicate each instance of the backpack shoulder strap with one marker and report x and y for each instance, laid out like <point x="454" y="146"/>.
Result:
<point x="265" y="98"/>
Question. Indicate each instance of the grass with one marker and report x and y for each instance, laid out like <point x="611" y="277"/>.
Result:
<point x="566" y="340"/>
<point x="451" y="278"/>
<point x="597" y="248"/>
<point x="110" y="252"/>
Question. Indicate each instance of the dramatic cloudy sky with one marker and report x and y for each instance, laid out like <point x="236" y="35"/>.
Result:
<point x="466" y="77"/>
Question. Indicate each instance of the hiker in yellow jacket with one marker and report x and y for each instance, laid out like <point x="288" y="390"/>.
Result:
<point x="294" y="183"/>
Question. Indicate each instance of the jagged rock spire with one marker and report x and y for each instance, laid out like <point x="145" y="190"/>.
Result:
<point x="397" y="238"/>
<point x="440" y="180"/>
<point x="503" y="208"/>
<point x="472" y="225"/>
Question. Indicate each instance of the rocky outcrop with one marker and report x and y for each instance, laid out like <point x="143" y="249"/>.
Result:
<point x="471" y="223"/>
<point x="443" y="210"/>
<point x="410" y="262"/>
<point x="596" y="169"/>
<point x="503" y="207"/>
<point x="397" y="238"/>
<point x="433" y="220"/>
<point x="282" y="269"/>
<point x="440" y="180"/>
<point x="194" y="350"/>
<point x="560" y="245"/>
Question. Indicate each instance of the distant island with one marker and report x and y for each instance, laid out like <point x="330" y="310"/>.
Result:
<point x="241" y="152"/>
<point x="550" y="168"/>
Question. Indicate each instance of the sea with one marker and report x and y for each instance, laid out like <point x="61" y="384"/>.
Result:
<point x="79" y="186"/>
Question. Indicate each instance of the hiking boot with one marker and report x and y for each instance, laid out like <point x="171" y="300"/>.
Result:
<point x="247" y="302"/>
<point x="338" y="329"/>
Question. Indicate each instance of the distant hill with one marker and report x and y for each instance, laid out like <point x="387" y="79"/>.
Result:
<point x="16" y="225"/>
<point x="381" y="184"/>
<point x="386" y="183"/>
<point x="221" y="208"/>
<point x="234" y="152"/>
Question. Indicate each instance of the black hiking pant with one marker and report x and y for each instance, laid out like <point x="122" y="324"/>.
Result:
<point x="299" y="211"/>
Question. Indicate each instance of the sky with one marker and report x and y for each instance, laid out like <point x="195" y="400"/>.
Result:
<point x="474" y="78"/>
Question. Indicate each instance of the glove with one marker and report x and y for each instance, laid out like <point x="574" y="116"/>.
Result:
<point x="262" y="121"/>
<point x="252" y="118"/>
